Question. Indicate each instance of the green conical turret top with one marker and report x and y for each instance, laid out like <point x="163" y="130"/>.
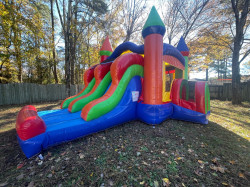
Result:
<point x="153" y="19"/>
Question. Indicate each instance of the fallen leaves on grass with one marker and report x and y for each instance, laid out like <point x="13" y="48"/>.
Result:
<point x="202" y="164"/>
<point x="19" y="166"/>
<point x="156" y="183"/>
<point x="145" y="163"/>
<point x="142" y="182"/>
<point x="4" y="184"/>
<point x="19" y="177"/>
<point x="202" y="145"/>
<point x="215" y="160"/>
<point x="31" y="184"/>
<point x="166" y="182"/>
<point x="190" y="150"/>
<point x="232" y="162"/>
<point x="179" y="158"/>
<point x="215" y="168"/>
<point x="62" y="154"/>
<point x="81" y="156"/>
<point x="198" y="172"/>
<point x="241" y="175"/>
<point x="200" y="161"/>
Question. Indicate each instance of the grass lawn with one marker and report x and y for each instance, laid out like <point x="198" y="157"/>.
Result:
<point x="175" y="153"/>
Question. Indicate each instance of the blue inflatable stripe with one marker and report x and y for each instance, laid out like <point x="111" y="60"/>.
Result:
<point x="139" y="49"/>
<point x="173" y="51"/>
<point x="154" y="114"/>
<point x="181" y="113"/>
<point x="156" y="29"/>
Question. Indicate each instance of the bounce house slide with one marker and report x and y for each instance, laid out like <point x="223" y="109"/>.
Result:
<point x="117" y="106"/>
<point x="103" y="79"/>
<point x="94" y="89"/>
<point x="89" y="82"/>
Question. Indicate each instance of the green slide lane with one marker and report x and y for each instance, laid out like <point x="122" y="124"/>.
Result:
<point x="109" y="104"/>
<point x="87" y="90"/>
<point x="100" y="90"/>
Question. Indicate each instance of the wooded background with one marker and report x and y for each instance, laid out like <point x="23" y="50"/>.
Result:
<point x="55" y="41"/>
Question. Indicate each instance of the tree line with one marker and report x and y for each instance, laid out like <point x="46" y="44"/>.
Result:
<point x="55" y="41"/>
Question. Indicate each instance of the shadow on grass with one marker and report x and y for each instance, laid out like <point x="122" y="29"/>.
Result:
<point x="50" y="107"/>
<point x="233" y="111"/>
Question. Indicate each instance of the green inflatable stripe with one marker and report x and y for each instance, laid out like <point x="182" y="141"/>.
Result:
<point x="207" y="98"/>
<point x="100" y="90"/>
<point x="184" y="83"/>
<point x="186" y="68"/>
<point x="87" y="90"/>
<point x="109" y="104"/>
<point x="108" y="53"/>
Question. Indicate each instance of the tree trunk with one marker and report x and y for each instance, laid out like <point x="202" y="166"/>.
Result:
<point x="240" y="21"/>
<point x="20" y="68"/>
<point x="218" y="69"/>
<point x="19" y="62"/>
<point x="73" y="45"/>
<point x="17" y="47"/>
<point x="53" y="42"/>
<point x="207" y="74"/>
<point x="67" y="50"/>
<point x="88" y="44"/>
<point x="66" y="32"/>
<point x="236" y="96"/>
<point x="226" y="69"/>
<point x="38" y="61"/>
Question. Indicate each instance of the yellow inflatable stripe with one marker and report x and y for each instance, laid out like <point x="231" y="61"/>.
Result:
<point x="128" y="51"/>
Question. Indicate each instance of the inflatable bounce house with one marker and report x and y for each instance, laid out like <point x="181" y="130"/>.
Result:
<point x="146" y="82"/>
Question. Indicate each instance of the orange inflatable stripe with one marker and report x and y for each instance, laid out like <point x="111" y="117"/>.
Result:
<point x="100" y="72"/>
<point x="153" y="69"/>
<point x="118" y="68"/>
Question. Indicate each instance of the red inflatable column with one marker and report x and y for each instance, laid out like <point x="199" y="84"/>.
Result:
<point x="153" y="32"/>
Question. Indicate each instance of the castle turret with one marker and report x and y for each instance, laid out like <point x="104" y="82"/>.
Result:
<point x="153" y="32"/>
<point x="183" y="48"/>
<point x="106" y="50"/>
